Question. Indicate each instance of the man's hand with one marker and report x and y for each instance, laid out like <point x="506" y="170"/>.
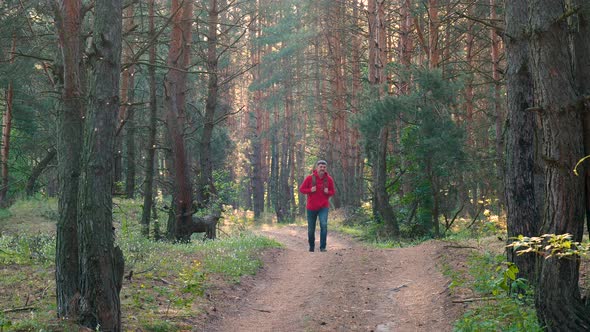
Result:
<point x="313" y="189"/>
<point x="325" y="190"/>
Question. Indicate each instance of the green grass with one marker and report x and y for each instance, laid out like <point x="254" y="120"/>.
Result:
<point x="167" y="280"/>
<point x="501" y="307"/>
<point x="27" y="249"/>
<point x="30" y="216"/>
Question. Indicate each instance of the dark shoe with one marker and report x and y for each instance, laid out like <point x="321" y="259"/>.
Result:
<point x="323" y="250"/>
<point x="311" y="250"/>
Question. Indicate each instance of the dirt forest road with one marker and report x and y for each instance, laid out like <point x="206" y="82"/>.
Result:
<point x="348" y="288"/>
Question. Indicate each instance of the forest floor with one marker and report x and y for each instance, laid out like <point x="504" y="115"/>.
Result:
<point x="351" y="287"/>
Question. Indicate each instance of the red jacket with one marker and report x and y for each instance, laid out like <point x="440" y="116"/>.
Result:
<point x="318" y="199"/>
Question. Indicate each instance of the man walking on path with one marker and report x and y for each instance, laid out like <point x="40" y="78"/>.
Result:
<point x="319" y="187"/>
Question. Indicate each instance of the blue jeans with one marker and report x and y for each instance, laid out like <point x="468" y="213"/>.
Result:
<point x="311" y="222"/>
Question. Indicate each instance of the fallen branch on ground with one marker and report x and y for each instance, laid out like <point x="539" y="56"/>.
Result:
<point x="18" y="309"/>
<point x="475" y="299"/>
<point x="163" y="281"/>
<point x="461" y="247"/>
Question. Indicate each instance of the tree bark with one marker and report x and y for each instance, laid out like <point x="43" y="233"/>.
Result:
<point x="338" y="138"/>
<point x="381" y="196"/>
<point x="101" y="263"/>
<point x="206" y="181"/>
<point x="581" y="40"/>
<point x="522" y="214"/>
<point x="256" y="122"/>
<point x="377" y="78"/>
<point x="433" y="26"/>
<point x="558" y="301"/>
<point x="148" y="189"/>
<point x="68" y="20"/>
<point x="127" y="97"/>
<point x="496" y="101"/>
<point x="353" y="177"/>
<point x="284" y="167"/>
<point x="273" y="190"/>
<point x="175" y="86"/>
<point x="6" y="128"/>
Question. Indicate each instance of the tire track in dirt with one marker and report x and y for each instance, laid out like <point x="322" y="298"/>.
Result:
<point x="349" y="288"/>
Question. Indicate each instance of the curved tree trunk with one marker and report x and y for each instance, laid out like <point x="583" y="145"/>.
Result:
<point x="38" y="169"/>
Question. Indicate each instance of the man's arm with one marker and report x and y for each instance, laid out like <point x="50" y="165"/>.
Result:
<point x="305" y="187"/>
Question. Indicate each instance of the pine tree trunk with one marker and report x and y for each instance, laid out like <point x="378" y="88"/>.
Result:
<point x="175" y="86"/>
<point x="405" y="55"/>
<point x="101" y="263"/>
<point x="6" y="128"/>
<point x="381" y="196"/>
<point x="377" y="78"/>
<point x="130" y="142"/>
<point x="558" y="301"/>
<point x="127" y="97"/>
<point x="522" y="214"/>
<point x="148" y="190"/>
<point x="274" y="168"/>
<point x="581" y="42"/>
<point x="433" y="27"/>
<point x="354" y="178"/>
<point x="339" y="133"/>
<point x="68" y="24"/>
<point x="285" y="166"/>
<point x="256" y="123"/>
<point x="498" y="109"/>
<point x="206" y="181"/>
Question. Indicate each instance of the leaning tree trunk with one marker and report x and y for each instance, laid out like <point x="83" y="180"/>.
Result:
<point x="101" y="263"/>
<point x="38" y="169"/>
<point x="68" y="24"/>
<point x="558" y="301"/>
<point x="151" y="144"/>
